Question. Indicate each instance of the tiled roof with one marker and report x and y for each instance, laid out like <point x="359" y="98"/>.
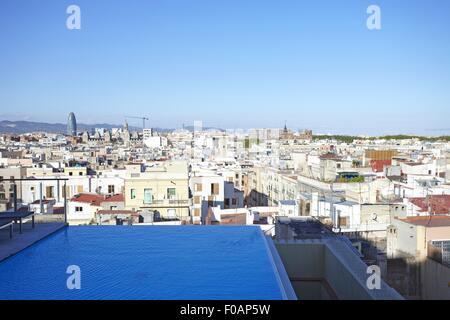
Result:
<point x="115" y="198"/>
<point x="439" y="204"/>
<point x="233" y="219"/>
<point x="378" y="165"/>
<point x="330" y="156"/>
<point x="93" y="199"/>
<point x="429" y="221"/>
<point x="44" y="201"/>
<point x="96" y="199"/>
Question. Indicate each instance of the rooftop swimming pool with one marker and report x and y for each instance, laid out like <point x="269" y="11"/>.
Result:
<point x="145" y="262"/>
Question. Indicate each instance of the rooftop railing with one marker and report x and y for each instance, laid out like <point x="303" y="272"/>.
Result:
<point x="439" y="251"/>
<point x="168" y="202"/>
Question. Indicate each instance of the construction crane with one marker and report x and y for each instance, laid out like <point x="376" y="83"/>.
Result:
<point x="142" y="118"/>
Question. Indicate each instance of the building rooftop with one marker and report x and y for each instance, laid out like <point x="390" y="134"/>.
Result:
<point x="96" y="199"/>
<point x="429" y="221"/>
<point x="118" y="212"/>
<point x="436" y="204"/>
<point x="115" y="198"/>
<point x="93" y="199"/>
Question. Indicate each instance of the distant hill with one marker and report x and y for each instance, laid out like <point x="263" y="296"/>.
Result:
<point x="350" y="139"/>
<point x="18" y="127"/>
<point x="191" y="128"/>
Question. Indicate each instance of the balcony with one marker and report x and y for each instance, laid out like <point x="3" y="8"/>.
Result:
<point x="167" y="203"/>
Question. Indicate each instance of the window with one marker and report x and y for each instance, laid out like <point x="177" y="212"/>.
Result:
<point x="111" y="188"/>
<point x="198" y="187"/>
<point x="210" y="201"/>
<point x="132" y="193"/>
<point x="70" y="173"/>
<point x="214" y="188"/>
<point x="79" y="209"/>
<point x="171" y="193"/>
<point x="49" y="192"/>
<point x="227" y="203"/>
<point x="80" y="189"/>
<point x="148" y="197"/>
<point x="80" y="173"/>
<point x="343" y="221"/>
<point x="197" y="212"/>
<point x="233" y="201"/>
<point x="197" y="200"/>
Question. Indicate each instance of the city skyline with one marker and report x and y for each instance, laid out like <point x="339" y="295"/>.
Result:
<point x="230" y="65"/>
<point x="224" y="156"/>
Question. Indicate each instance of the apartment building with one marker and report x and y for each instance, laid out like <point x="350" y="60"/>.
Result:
<point x="160" y="187"/>
<point x="7" y="187"/>
<point x="208" y="190"/>
<point x="75" y="171"/>
<point x="418" y="253"/>
<point x="326" y="167"/>
<point x="82" y="208"/>
<point x="269" y="186"/>
<point x="107" y="183"/>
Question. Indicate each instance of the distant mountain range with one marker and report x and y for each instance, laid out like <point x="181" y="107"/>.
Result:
<point x="18" y="127"/>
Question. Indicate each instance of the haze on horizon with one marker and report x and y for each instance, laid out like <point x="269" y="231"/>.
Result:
<point x="231" y="64"/>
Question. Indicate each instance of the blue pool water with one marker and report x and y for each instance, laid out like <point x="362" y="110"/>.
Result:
<point x="144" y="262"/>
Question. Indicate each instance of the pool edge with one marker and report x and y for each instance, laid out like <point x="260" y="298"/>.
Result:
<point x="25" y="245"/>
<point x="281" y="275"/>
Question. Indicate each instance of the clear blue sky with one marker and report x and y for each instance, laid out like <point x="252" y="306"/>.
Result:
<point x="232" y="64"/>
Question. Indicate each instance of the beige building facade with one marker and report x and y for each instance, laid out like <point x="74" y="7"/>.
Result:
<point x="161" y="187"/>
